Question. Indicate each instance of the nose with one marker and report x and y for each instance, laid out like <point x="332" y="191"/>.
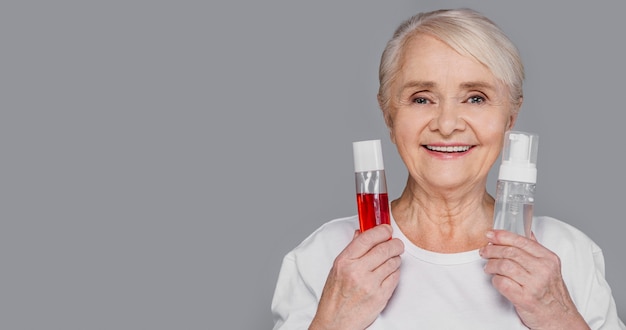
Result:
<point x="447" y="119"/>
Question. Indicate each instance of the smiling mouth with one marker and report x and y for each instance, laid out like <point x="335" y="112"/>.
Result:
<point x="448" y="149"/>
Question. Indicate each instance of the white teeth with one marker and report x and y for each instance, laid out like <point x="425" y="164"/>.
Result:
<point x="448" y="148"/>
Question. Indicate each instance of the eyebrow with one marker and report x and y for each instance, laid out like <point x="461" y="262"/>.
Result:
<point x="419" y="84"/>
<point x="477" y="85"/>
<point x="465" y="85"/>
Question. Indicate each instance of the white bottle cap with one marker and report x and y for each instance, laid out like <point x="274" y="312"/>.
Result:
<point x="368" y="156"/>
<point x="519" y="157"/>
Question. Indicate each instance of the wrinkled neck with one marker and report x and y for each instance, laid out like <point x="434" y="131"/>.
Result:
<point x="444" y="221"/>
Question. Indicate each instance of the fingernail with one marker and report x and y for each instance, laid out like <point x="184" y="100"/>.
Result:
<point x="489" y="234"/>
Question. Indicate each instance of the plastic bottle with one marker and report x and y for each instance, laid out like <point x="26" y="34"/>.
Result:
<point x="371" y="185"/>
<point x="515" y="193"/>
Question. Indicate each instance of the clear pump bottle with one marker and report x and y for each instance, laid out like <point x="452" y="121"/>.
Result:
<point x="515" y="193"/>
<point x="371" y="185"/>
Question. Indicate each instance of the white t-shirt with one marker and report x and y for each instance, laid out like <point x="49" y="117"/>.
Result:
<point x="442" y="291"/>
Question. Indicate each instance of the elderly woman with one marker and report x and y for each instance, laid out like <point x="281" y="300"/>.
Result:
<point x="448" y="78"/>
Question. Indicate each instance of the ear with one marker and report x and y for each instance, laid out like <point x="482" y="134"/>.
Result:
<point x="386" y="116"/>
<point x="515" y="112"/>
<point x="512" y="120"/>
<point x="392" y="137"/>
<point x="381" y="106"/>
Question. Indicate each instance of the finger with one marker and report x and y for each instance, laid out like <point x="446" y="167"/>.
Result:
<point x="511" y="253"/>
<point x="504" y="237"/>
<point x="386" y="268"/>
<point x="509" y="269"/>
<point x="510" y="289"/>
<point x="389" y="284"/>
<point x="382" y="252"/>
<point x="366" y="240"/>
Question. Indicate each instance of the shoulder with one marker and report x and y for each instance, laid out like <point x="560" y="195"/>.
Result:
<point x="330" y="238"/>
<point x="581" y="258"/>
<point x="312" y="259"/>
<point x="583" y="270"/>
<point x="560" y="236"/>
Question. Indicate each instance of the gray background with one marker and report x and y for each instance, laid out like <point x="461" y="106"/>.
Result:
<point x="159" y="158"/>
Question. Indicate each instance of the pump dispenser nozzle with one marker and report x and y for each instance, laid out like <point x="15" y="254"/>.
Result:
<point x="519" y="157"/>
<point x="519" y="147"/>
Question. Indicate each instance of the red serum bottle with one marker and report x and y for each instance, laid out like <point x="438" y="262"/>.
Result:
<point x="371" y="186"/>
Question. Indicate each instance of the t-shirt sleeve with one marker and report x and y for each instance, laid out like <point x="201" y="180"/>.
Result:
<point x="294" y="303"/>
<point x="582" y="266"/>
<point x="304" y="272"/>
<point x="600" y="310"/>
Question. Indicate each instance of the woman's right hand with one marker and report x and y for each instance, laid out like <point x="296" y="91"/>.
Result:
<point x="361" y="281"/>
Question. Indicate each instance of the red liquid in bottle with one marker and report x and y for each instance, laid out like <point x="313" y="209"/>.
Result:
<point x="373" y="210"/>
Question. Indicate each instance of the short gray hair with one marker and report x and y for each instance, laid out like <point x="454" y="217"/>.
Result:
<point x="464" y="30"/>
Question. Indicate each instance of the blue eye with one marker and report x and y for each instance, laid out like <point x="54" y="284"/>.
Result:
<point x="420" y="100"/>
<point x="476" y="99"/>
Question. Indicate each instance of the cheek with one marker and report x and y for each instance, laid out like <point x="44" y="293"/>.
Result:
<point x="405" y="134"/>
<point x="408" y="123"/>
<point x="494" y="131"/>
<point x="494" y="125"/>
<point x="405" y="131"/>
<point x="490" y="130"/>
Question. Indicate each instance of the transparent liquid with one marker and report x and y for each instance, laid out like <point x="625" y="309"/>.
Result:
<point x="514" y="207"/>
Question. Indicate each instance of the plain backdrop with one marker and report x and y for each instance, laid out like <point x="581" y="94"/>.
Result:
<point x="159" y="158"/>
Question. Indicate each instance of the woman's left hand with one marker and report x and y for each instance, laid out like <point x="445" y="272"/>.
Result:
<point x="529" y="275"/>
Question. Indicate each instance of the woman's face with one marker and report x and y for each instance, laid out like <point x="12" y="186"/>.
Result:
<point x="448" y="115"/>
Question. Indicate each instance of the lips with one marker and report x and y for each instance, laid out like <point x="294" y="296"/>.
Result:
<point x="448" y="149"/>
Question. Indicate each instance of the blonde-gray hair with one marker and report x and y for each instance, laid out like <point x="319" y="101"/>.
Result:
<point x="467" y="32"/>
